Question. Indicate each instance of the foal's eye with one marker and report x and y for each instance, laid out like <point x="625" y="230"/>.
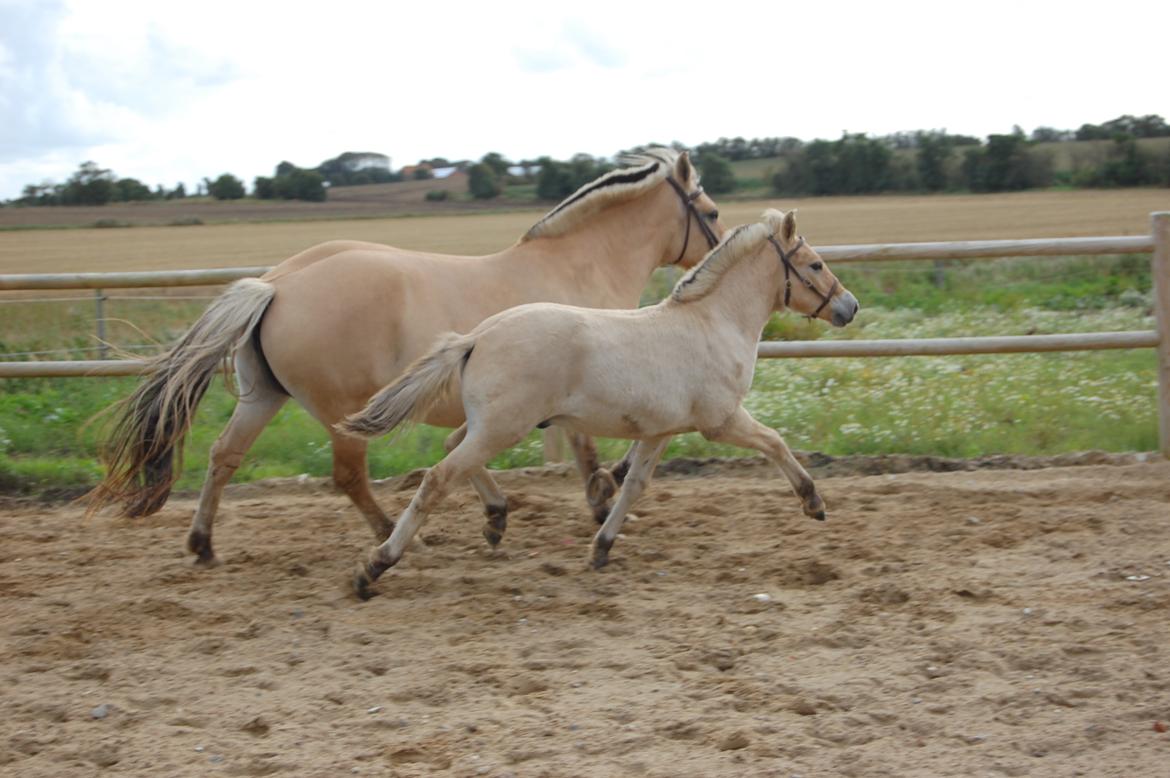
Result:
<point x="817" y="266"/>
<point x="713" y="215"/>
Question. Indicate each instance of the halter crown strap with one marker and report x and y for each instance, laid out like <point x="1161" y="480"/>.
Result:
<point x="688" y="201"/>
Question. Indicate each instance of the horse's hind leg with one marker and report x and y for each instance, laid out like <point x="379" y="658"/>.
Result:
<point x="253" y="411"/>
<point x="351" y="475"/>
<point x="600" y="485"/>
<point x="643" y="456"/>
<point x="742" y="430"/>
<point x="495" y="504"/>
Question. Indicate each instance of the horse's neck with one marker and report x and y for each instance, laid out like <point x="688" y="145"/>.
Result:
<point x="606" y="261"/>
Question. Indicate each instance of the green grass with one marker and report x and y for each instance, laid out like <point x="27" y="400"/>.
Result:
<point x="1035" y="404"/>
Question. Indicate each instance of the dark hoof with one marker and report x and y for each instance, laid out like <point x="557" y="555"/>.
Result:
<point x="815" y="508"/>
<point x="365" y="575"/>
<point x="619" y="472"/>
<point x="601" y="513"/>
<point x="497" y="523"/>
<point x="147" y="504"/>
<point x="599" y="489"/>
<point x="207" y="561"/>
<point x="600" y="555"/>
<point x="199" y="544"/>
<point x="362" y="583"/>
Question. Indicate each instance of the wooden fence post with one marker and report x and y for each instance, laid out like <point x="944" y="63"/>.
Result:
<point x="100" y="310"/>
<point x="1160" y="228"/>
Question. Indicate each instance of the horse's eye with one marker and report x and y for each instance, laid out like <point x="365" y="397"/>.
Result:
<point x="817" y="266"/>
<point x="713" y="215"/>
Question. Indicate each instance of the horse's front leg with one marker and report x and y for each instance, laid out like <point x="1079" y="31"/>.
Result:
<point x="744" y="431"/>
<point x="643" y="456"/>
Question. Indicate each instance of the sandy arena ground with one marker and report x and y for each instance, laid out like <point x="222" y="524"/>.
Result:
<point x="986" y="622"/>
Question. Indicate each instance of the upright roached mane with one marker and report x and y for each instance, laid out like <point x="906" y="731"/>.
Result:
<point x="626" y="183"/>
<point x="740" y="242"/>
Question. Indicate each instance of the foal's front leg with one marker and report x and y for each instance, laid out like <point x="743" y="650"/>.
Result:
<point x="744" y="431"/>
<point x="643" y="457"/>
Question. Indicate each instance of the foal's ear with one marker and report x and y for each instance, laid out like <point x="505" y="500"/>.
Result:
<point x="683" y="170"/>
<point x="788" y="228"/>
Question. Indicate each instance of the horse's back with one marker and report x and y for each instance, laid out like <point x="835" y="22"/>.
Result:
<point x="348" y="317"/>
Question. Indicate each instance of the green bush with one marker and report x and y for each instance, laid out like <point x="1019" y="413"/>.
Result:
<point x="226" y="187"/>
<point x="482" y="182"/>
<point x="716" y="173"/>
<point x="437" y="195"/>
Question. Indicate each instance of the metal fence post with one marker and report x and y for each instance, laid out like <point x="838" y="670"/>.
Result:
<point x="1160" y="229"/>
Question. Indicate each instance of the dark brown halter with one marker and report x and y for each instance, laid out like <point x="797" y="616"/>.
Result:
<point x="790" y="268"/>
<point x="688" y="201"/>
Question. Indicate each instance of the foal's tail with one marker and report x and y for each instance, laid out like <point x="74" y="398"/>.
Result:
<point x="151" y="423"/>
<point x="410" y="397"/>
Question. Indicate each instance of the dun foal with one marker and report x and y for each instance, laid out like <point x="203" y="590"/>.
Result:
<point x="682" y="365"/>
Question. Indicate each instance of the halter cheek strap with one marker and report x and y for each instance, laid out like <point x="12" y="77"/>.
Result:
<point x="789" y="268"/>
<point x="688" y="201"/>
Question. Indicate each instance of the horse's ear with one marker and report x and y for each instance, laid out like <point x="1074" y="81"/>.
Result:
<point x="788" y="228"/>
<point x="683" y="170"/>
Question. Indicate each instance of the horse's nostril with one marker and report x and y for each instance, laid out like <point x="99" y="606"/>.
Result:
<point x="856" y="307"/>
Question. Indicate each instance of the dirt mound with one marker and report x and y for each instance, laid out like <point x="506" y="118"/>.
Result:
<point x="947" y="619"/>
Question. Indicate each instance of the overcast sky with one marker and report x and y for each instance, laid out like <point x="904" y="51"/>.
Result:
<point x="175" y="91"/>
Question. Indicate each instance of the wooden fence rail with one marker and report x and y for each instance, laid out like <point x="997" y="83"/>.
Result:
<point x="1157" y="243"/>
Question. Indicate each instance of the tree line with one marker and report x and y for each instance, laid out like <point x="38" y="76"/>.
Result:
<point x="855" y="163"/>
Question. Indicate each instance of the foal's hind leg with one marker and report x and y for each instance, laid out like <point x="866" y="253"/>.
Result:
<point x="495" y="504"/>
<point x="643" y="456"/>
<point x="253" y="412"/>
<point x="742" y="430"/>
<point x="351" y="474"/>
<point x="467" y="457"/>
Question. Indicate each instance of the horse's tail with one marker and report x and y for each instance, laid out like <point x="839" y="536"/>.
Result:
<point x="144" y="451"/>
<point x="410" y="397"/>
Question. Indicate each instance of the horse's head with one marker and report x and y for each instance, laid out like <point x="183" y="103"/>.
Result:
<point x="702" y="230"/>
<point x="809" y="287"/>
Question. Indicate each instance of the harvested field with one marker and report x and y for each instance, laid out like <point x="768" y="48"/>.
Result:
<point x="979" y="622"/>
<point x="825" y="221"/>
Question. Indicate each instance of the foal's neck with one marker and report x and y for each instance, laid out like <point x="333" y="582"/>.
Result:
<point x="745" y="295"/>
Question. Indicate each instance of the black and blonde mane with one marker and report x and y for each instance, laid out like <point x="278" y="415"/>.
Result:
<point x="743" y="241"/>
<point x="649" y="169"/>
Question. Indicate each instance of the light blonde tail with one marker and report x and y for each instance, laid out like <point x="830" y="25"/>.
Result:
<point x="410" y="397"/>
<point x="144" y="450"/>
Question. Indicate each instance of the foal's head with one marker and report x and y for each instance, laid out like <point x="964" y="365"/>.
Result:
<point x="809" y="286"/>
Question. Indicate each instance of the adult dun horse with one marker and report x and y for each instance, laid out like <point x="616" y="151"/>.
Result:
<point x="683" y="365"/>
<point x="333" y="324"/>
